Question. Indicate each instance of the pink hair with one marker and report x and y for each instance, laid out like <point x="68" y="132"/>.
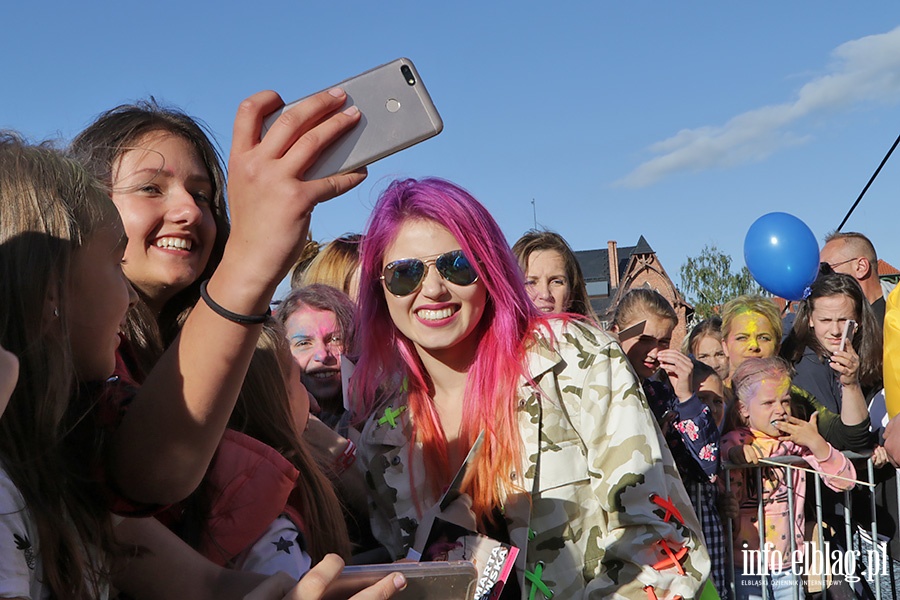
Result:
<point x="388" y="359"/>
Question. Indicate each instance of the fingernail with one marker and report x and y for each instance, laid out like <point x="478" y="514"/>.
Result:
<point x="399" y="581"/>
<point x="336" y="92"/>
<point x="351" y="111"/>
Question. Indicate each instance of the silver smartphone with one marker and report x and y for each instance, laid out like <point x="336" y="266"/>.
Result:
<point x="397" y="112"/>
<point x="848" y="333"/>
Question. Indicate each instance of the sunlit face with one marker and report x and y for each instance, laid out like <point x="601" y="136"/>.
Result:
<point x="828" y="318"/>
<point x="712" y="393"/>
<point x="546" y="281"/>
<point x="317" y="345"/>
<point x="642" y="351"/>
<point x="708" y="350"/>
<point x="164" y="195"/>
<point x="98" y="298"/>
<point x="765" y="402"/>
<point x="440" y="318"/>
<point x="751" y="336"/>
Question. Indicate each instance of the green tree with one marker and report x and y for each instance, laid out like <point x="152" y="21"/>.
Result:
<point x="708" y="282"/>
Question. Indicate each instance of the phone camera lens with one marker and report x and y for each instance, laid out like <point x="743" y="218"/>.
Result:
<point x="408" y="75"/>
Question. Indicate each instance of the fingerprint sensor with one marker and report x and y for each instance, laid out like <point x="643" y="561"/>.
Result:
<point x="392" y="105"/>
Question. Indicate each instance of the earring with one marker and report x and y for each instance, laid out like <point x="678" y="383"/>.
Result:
<point x="55" y="312"/>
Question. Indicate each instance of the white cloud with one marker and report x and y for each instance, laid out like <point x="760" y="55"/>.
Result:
<point x="863" y="70"/>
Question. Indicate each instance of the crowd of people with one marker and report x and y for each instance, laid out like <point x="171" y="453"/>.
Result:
<point x="165" y="435"/>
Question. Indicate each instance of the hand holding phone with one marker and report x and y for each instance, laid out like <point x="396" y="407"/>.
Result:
<point x="397" y="112"/>
<point x="454" y="580"/>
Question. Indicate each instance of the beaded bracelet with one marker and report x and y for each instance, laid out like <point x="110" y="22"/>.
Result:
<point x="232" y="316"/>
<point x="346" y="458"/>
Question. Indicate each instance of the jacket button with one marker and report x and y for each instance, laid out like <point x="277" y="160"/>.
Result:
<point x="395" y="461"/>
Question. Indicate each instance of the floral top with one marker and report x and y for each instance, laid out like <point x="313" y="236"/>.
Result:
<point x="693" y="436"/>
<point x="608" y="515"/>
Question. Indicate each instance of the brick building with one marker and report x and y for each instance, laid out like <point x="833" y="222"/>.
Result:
<point x="612" y="271"/>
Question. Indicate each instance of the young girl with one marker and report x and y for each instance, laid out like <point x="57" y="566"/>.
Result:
<point x="836" y="376"/>
<point x="64" y="297"/>
<point x="450" y="346"/>
<point x="709" y="388"/>
<point x="691" y="432"/>
<point x="846" y="380"/>
<point x="762" y="386"/>
<point x="264" y="504"/>
<point x="168" y="186"/>
<point x="705" y="344"/>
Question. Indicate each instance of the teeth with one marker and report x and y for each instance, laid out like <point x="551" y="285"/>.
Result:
<point x="322" y="374"/>
<point x="174" y="243"/>
<point x="435" y="315"/>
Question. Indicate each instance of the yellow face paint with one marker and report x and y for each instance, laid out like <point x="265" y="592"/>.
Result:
<point x="752" y="330"/>
<point x="750" y="334"/>
<point x="783" y="387"/>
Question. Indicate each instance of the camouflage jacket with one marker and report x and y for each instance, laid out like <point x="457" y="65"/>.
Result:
<point x="608" y="514"/>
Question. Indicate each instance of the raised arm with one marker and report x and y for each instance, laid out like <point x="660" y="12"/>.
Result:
<point x="170" y="432"/>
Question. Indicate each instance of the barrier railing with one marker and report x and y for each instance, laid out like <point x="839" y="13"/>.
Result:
<point x="818" y="565"/>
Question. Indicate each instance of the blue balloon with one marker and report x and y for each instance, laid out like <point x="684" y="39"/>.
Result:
<point x="782" y="254"/>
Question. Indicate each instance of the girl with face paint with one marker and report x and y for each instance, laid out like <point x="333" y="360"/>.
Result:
<point x="762" y="386"/>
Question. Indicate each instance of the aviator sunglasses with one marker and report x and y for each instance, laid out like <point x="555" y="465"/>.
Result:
<point x="403" y="277"/>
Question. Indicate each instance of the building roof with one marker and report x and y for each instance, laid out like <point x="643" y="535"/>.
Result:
<point x="595" y="263"/>
<point x="886" y="268"/>
<point x="595" y="268"/>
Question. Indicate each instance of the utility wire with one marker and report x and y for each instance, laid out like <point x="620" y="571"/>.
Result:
<point x="871" y="179"/>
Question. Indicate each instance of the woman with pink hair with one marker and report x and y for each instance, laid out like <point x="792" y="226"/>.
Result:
<point x="572" y="469"/>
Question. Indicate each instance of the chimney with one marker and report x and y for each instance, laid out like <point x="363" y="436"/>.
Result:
<point x="613" y="265"/>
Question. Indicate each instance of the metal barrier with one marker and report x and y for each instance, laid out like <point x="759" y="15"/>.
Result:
<point x="840" y="563"/>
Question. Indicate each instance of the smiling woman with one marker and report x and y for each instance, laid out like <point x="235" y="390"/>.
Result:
<point x="450" y="347"/>
<point x="167" y="180"/>
<point x="165" y="196"/>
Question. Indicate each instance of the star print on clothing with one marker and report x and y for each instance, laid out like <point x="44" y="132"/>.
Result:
<point x="283" y="545"/>
<point x="24" y="545"/>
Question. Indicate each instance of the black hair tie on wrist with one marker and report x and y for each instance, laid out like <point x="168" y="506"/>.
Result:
<point x="232" y="316"/>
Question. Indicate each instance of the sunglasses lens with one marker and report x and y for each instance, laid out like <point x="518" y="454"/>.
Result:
<point x="402" y="277"/>
<point x="825" y="269"/>
<point x="456" y="268"/>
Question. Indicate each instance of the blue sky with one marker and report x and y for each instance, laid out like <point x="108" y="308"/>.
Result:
<point x="682" y="122"/>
